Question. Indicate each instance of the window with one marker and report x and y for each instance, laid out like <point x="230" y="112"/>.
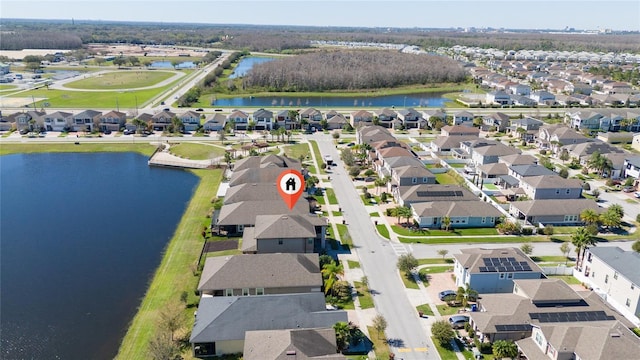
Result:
<point x="425" y="180"/>
<point x="632" y="286"/>
<point x="615" y="275"/>
<point x="228" y="292"/>
<point x="628" y="303"/>
<point x="568" y="191"/>
<point x="484" y="219"/>
<point x="557" y="191"/>
<point x="245" y="292"/>
<point x="280" y="242"/>
<point x="509" y="275"/>
<point x="501" y="275"/>
<point x="259" y="291"/>
<point x="414" y="180"/>
<point x="606" y="279"/>
<point x="310" y="241"/>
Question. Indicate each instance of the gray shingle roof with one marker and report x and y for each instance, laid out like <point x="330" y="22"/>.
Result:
<point x="531" y="170"/>
<point x="266" y="161"/>
<point x="473" y="259"/>
<point x="552" y="182"/>
<point x="455" y="209"/>
<point x="431" y="192"/>
<point x="284" y="344"/>
<point x="229" y="317"/>
<point x="552" y="207"/>
<point x="261" y="271"/>
<point x="245" y="212"/>
<point x="248" y="192"/>
<point x="626" y="263"/>
<point x="285" y="226"/>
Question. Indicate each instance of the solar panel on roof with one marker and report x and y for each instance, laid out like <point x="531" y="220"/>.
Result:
<point x="483" y="269"/>
<point x="571" y="316"/>
<point x="487" y="262"/>
<point x="511" y="259"/>
<point x="491" y="269"/>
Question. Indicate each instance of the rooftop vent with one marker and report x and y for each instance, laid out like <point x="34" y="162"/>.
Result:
<point x="291" y="352"/>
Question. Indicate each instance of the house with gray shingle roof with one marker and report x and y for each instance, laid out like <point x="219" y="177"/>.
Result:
<point x="462" y="214"/>
<point x="239" y="119"/>
<point x="58" y="121"/>
<point x="522" y="171"/>
<point x="407" y="195"/>
<point x="252" y="162"/>
<point x="385" y="117"/>
<point x="86" y="120"/>
<point x="251" y="191"/>
<point x="162" y="120"/>
<point x="493" y="270"/>
<point x="459" y="130"/>
<point x="613" y="272"/>
<point x="263" y="119"/>
<point x="361" y="118"/>
<point x="222" y="321"/>
<point x="285" y="233"/>
<point x="411" y="175"/>
<point x="112" y="121"/>
<point x="563" y="212"/>
<point x="444" y="144"/>
<point x="410" y="118"/>
<point x="308" y="344"/>
<point x="190" y="120"/>
<point x="464" y="118"/>
<point x="371" y="134"/>
<point x="214" y="122"/>
<point x="551" y="187"/>
<point x="336" y="122"/>
<point x="234" y="218"/>
<point x="243" y="275"/>
<point x="518" y="159"/>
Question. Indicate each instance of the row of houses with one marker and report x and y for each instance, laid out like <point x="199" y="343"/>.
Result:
<point x="267" y="302"/>
<point x="546" y="317"/>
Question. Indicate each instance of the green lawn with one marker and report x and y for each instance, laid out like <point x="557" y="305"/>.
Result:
<point x="319" y="199"/>
<point x="435" y="270"/>
<point x="383" y="230"/>
<point x="316" y="153"/>
<point x="353" y="264"/>
<point x="374" y="214"/>
<point x="445" y="353"/>
<point x="434" y="261"/>
<point x="331" y="195"/>
<point x="436" y="232"/>
<point x="558" y="258"/>
<point x="122" y="79"/>
<point x="294" y="151"/>
<point x="409" y="281"/>
<point x="364" y="296"/>
<point x="380" y="345"/>
<point x="426" y="309"/>
<point x="172" y="276"/>
<point x="336" y="213"/>
<point x="567" y="278"/>
<point x="445" y="178"/>
<point x="29" y="148"/>
<point x="345" y="237"/>
<point x="196" y="151"/>
<point x="5" y="87"/>
<point x="445" y="309"/>
<point x="463" y="240"/>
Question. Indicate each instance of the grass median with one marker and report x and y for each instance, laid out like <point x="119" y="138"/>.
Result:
<point x="173" y="275"/>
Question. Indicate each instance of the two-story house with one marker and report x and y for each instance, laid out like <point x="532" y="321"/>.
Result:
<point x="498" y="97"/>
<point x="312" y="117"/>
<point x="551" y="187"/>
<point x="190" y="120"/>
<point x="385" y="117"/>
<point x="410" y="118"/>
<point x="86" y="120"/>
<point x="361" y="118"/>
<point x="464" y="118"/>
<point x="499" y="121"/>
<point x="30" y="120"/>
<point x="58" y="121"/>
<point x="239" y="119"/>
<point x="112" y="121"/>
<point x="263" y="119"/>
<point x="162" y="120"/>
<point x="613" y="274"/>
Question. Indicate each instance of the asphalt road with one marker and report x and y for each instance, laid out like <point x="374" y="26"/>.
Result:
<point x="378" y="260"/>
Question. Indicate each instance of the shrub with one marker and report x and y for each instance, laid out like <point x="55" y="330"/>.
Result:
<point x="586" y="186"/>
<point x="543" y="152"/>
<point x="527" y="231"/>
<point x="592" y="229"/>
<point x="609" y="182"/>
<point x="369" y="172"/>
<point x="638" y="218"/>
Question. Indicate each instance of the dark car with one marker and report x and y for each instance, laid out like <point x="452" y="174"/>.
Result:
<point x="107" y="132"/>
<point x="199" y="109"/>
<point x="443" y="294"/>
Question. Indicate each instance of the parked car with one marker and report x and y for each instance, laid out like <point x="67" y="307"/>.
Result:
<point x="637" y="194"/>
<point x="199" y="109"/>
<point x="443" y="294"/>
<point x="628" y="189"/>
<point x="458" y="321"/>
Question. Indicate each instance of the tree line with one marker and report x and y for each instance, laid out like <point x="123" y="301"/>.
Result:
<point x="19" y="34"/>
<point x="351" y="70"/>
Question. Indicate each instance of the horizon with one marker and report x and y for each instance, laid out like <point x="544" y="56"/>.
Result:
<point x="578" y="15"/>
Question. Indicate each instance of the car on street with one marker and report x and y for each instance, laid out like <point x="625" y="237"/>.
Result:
<point x="199" y="109"/>
<point x="637" y="194"/>
<point x="458" y="321"/>
<point x="443" y="294"/>
<point x="628" y="189"/>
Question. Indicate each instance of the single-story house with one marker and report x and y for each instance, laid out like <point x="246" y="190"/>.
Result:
<point x="552" y="211"/>
<point x="462" y="214"/>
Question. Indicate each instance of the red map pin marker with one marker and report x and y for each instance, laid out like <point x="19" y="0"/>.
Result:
<point x="290" y="186"/>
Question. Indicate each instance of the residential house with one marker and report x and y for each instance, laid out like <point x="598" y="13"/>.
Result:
<point x="112" y="121"/>
<point x="613" y="274"/>
<point x="267" y="274"/>
<point x="564" y="212"/>
<point x="433" y="116"/>
<point x="30" y="120"/>
<point x="267" y="174"/>
<point x="7" y="122"/>
<point x="499" y="121"/>
<point x="518" y="100"/>
<point x="520" y="89"/>
<point x="518" y="159"/>
<point x="290" y="233"/>
<point x="58" y="121"/>
<point x="386" y="168"/>
<point x="410" y="118"/>
<point x="632" y="168"/>
<point x="461" y="214"/>
<point x="522" y="171"/>
<point x="498" y="97"/>
<point x="617" y="87"/>
<point x="551" y="187"/>
<point x="283" y="119"/>
<point x="86" y="120"/>
<point x="336" y="122"/>
<point x="407" y="195"/>
<point x="214" y="122"/>
<point x="554" y="136"/>
<point x="190" y="120"/>
<point x="463" y="118"/>
<point x="526" y="128"/>
<point x="483" y="151"/>
<point x="251" y="191"/>
<point x="492" y="171"/>
<point x="238" y="119"/>
<point x="361" y="118"/>
<point x="385" y="117"/>
<point x="162" y="120"/>
<point x="445" y="144"/>
<point x="592" y="340"/>
<point x="221" y="322"/>
<point x="493" y="270"/>
<point x="589" y="120"/>
<point x="409" y="175"/>
<point x="391" y="152"/>
<point x="253" y="162"/>
<point x="538" y="302"/>
<point x="371" y="134"/>
<point x="263" y="119"/>
<point x="459" y="130"/>
<point x="544" y="97"/>
<point x="312" y="117"/>
<point x="237" y="217"/>
<point x="584" y="151"/>
<point x="308" y="344"/>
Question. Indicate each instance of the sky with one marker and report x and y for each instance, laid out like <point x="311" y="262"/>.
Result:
<point x="511" y="14"/>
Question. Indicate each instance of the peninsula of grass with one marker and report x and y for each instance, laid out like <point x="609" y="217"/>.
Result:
<point x="383" y="230"/>
<point x="409" y="281"/>
<point x="353" y="264"/>
<point x="173" y="275"/>
<point x="122" y="79"/>
<point x="32" y="148"/>
<point x="425" y="309"/>
<point x="196" y="151"/>
<point x="436" y="232"/>
<point x="318" y="156"/>
<point x="331" y="195"/>
<point x="364" y="296"/>
<point x="380" y="345"/>
<point x="345" y="237"/>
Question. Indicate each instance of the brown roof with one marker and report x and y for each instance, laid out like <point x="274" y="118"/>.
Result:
<point x="261" y="270"/>
<point x="394" y="151"/>
<point x="298" y="344"/>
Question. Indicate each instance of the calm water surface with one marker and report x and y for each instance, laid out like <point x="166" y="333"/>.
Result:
<point x="246" y="64"/>
<point x="81" y="235"/>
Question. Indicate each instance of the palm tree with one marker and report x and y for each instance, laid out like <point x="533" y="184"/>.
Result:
<point x="343" y="334"/>
<point x="611" y="218"/>
<point x="581" y="240"/>
<point x="330" y="274"/>
<point x="617" y="208"/>
<point x="589" y="216"/>
<point x="446" y="221"/>
<point x="177" y="124"/>
<point x="293" y="115"/>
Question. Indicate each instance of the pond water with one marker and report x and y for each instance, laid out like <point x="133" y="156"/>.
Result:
<point x="246" y="64"/>
<point x="167" y="64"/>
<point x="380" y="101"/>
<point x="81" y="236"/>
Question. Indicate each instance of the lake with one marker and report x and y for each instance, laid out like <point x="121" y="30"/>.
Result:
<point x="167" y="64"/>
<point x="246" y="64"/>
<point x="432" y="99"/>
<point x="81" y="236"/>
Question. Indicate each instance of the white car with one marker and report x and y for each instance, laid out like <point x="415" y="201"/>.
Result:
<point x="637" y="194"/>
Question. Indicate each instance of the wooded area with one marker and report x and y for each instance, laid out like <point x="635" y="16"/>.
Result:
<point x="352" y="70"/>
<point x="18" y="34"/>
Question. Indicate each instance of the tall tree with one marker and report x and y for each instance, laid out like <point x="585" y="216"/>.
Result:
<point x="581" y="239"/>
<point x="566" y="249"/>
<point x="442" y="332"/>
<point x="505" y="349"/>
<point x="330" y="273"/>
<point x="406" y="263"/>
<point x="380" y="324"/>
<point x="443" y="253"/>
<point x="589" y="216"/>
